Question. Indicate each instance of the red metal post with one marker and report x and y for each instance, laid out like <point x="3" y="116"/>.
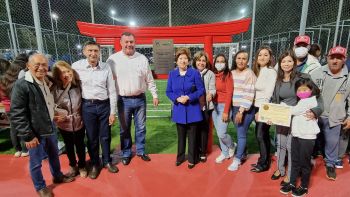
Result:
<point x="117" y="46"/>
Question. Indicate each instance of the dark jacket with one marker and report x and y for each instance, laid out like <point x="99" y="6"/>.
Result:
<point x="276" y="99"/>
<point x="29" y="114"/>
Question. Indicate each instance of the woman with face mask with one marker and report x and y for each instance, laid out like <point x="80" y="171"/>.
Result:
<point x="184" y="89"/>
<point x="242" y="100"/>
<point x="264" y="87"/>
<point x="222" y="106"/>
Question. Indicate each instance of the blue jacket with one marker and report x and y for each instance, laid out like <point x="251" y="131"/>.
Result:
<point x="190" y="84"/>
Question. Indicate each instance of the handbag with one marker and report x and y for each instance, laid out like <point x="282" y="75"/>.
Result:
<point x="58" y="110"/>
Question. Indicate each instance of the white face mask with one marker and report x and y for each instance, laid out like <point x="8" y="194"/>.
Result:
<point x="220" y="66"/>
<point x="301" y="52"/>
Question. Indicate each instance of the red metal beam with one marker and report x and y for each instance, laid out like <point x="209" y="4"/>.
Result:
<point x="221" y="32"/>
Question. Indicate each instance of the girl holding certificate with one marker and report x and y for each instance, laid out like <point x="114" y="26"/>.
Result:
<point x="264" y="87"/>
<point x="304" y="131"/>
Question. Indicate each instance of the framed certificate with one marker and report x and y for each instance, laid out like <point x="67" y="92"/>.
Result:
<point x="275" y="113"/>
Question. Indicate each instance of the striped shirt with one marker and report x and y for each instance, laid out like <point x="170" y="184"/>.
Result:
<point x="243" y="94"/>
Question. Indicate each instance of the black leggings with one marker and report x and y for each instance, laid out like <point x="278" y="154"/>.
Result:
<point x="75" y="139"/>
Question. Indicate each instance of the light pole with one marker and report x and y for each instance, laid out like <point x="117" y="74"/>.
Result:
<point x="55" y="17"/>
<point x="113" y="14"/>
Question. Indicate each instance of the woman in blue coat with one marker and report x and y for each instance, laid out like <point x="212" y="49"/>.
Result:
<point x="184" y="89"/>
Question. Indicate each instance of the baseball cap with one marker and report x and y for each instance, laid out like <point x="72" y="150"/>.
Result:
<point x="302" y="39"/>
<point x="337" y="50"/>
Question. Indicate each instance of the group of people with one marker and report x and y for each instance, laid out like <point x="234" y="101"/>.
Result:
<point x="317" y="95"/>
<point x="78" y="100"/>
<point x="83" y="98"/>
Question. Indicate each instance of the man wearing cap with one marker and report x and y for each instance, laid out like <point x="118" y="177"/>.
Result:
<point x="305" y="62"/>
<point x="334" y="82"/>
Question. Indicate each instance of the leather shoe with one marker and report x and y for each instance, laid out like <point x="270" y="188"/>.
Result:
<point x="111" y="168"/>
<point x="94" y="172"/>
<point x="126" y="160"/>
<point x="190" y="165"/>
<point x="63" y="179"/>
<point x="178" y="163"/>
<point x="274" y="176"/>
<point x="45" y="192"/>
<point x="144" y="157"/>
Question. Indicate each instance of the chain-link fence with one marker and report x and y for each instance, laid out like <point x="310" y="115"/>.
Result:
<point x="277" y="22"/>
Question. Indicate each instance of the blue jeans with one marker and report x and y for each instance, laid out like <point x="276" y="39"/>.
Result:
<point x="96" y="121"/>
<point x="221" y="128"/>
<point x="129" y="106"/>
<point x="331" y="136"/>
<point x="47" y="147"/>
<point x="242" y="129"/>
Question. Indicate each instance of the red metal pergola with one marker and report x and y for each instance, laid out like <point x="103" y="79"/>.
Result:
<point x="206" y="34"/>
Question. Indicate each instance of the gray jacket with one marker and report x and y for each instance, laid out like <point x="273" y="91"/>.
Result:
<point x="209" y="83"/>
<point x="72" y="103"/>
<point x="339" y="95"/>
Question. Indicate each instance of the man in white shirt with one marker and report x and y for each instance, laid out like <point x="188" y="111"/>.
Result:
<point x="98" y="106"/>
<point x="132" y="76"/>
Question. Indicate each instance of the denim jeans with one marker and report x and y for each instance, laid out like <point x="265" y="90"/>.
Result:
<point x="242" y="129"/>
<point x="331" y="136"/>
<point x="128" y="107"/>
<point x="221" y="128"/>
<point x="47" y="147"/>
<point x="96" y="121"/>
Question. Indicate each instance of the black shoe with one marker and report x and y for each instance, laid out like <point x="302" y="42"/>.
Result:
<point x="178" y="163"/>
<point x="283" y="183"/>
<point x="331" y="175"/>
<point x="144" y="157"/>
<point x="274" y="176"/>
<point x="190" y="165"/>
<point x="45" y="192"/>
<point x="94" y="172"/>
<point x="300" y="191"/>
<point x="63" y="179"/>
<point x="126" y="160"/>
<point x="111" y="168"/>
<point x="253" y="165"/>
<point x="259" y="169"/>
<point x="287" y="188"/>
<point x="203" y="159"/>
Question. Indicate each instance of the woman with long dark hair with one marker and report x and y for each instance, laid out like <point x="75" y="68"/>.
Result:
<point x="242" y="100"/>
<point x="222" y="106"/>
<point x="7" y="82"/>
<point x="264" y="88"/>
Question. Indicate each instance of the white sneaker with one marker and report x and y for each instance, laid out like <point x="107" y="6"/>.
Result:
<point x="18" y="153"/>
<point x="235" y="165"/>
<point x="221" y="158"/>
<point x="231" y="151"/>
<point x="24" y="154"/>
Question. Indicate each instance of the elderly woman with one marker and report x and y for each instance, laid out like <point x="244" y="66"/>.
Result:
<point x="184" y="89"/>
<point x="67" y="95"/>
